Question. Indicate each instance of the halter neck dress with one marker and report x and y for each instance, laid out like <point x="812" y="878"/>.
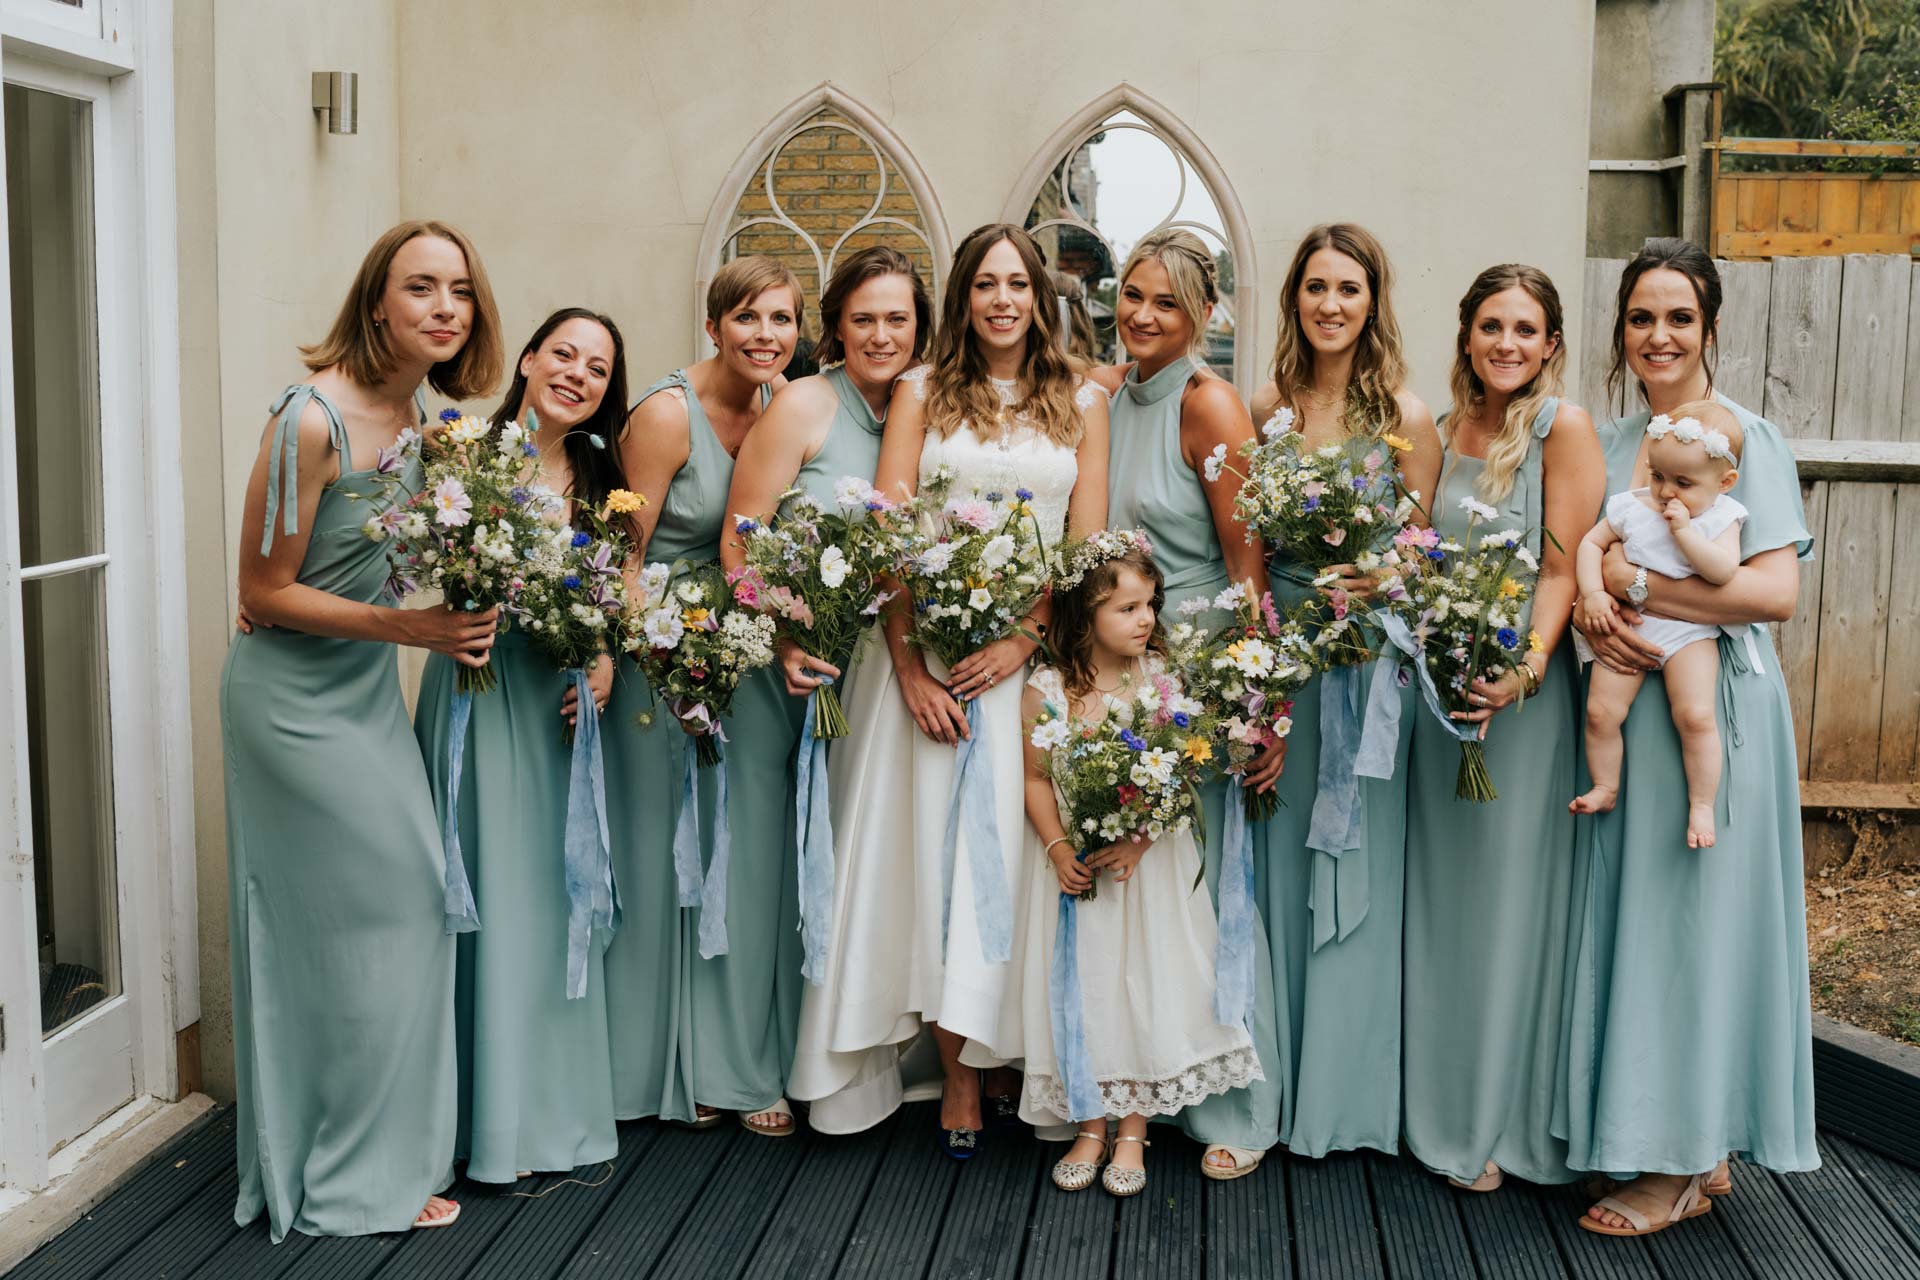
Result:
<point x="1689" y="1031"/>
<point x="1150" y="486"/>
<point x="1488" y="888"/>
<point x="1333" y="919"/>
<point x="343" y="975"/>
<point x="688" y="1031"/>
<point x="536" y="1087"/>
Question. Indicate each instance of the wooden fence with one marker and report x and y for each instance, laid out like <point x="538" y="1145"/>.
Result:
<point x="1828" y="349"/>
<point x="1770" y="214"/>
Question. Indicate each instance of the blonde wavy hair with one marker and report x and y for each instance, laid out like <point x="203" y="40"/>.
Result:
<point x="959" y="388"/>
<point x="1191" y="271"/>
<point x="1508" y="448"/>
<point x="1379" y="366"/>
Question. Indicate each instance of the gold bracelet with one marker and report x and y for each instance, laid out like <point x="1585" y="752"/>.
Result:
<point x="1530" y="679"/>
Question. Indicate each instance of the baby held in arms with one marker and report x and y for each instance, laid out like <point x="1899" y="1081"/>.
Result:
<point x="1682" y="524"/>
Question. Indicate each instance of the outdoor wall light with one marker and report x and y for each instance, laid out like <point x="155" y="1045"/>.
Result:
<point x="336" y="98"/>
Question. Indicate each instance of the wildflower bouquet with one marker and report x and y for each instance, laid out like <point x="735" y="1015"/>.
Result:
<point x="816" y="573"/>
<point x="974" y="569"/>
<point x="1457" y="612"/>
<point x="1135" y="773"/>
<point x="1246" y="673"/>
<point x="574" y="604"/>
<point x="695" y="645"/>
<point x="474" y="526"/>
<point x="1322" y="506"/>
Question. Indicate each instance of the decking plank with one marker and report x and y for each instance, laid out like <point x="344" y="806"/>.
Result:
<point x="1769" y="1234"/>
<point x="486" y="1210"/>
<point x="897" y="1228"/>
<point x="149" y="1198"/>
<point x="735" y="1208"/>
<point x="1585" y="1255"/>
<point x="1420" y="1228"/>
<point x="984" y="1234"/>
<point x="652" y="1206"/>
<point x="1070" y="1235"/>
<point x="1858" y="1237"/>
<point x="1503" y="1231"/>
<point x="1162" y="1231"/>
<point x="1333" y="1230"/>
<point x="1249" y="1232"/>
<point x="185" y="1238"/>
<point x="250" y="1254"/>
<point x="818" y="1213"/>
<point x="1704" y="1251"/>
<point x="1895" y="1187"/>
<point x="535" y="1245"/>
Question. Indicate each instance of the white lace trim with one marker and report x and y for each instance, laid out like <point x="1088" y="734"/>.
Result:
<point x="1235" y="1069"/>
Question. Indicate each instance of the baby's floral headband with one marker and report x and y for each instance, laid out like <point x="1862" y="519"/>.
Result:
<point x="1689" y="431"/>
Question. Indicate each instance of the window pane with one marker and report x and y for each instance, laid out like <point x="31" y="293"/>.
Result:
<point x="71" y="790"/>
<point x="55" y="379"/>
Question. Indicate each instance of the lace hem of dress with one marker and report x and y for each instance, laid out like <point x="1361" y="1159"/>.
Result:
<point x="1235" y="1069"/>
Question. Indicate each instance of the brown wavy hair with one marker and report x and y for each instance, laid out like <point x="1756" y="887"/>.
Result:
<point x="870" y="264"/>
<point x="959" y="389"/>
<point x="1070" y="638"/>
<point x="362" y="348"/>
<point x="1691" y="261"/>
<point x="1379" y="364"/>
<point x="1508" y="448"/>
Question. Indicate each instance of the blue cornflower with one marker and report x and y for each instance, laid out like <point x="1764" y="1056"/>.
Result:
<point x="581" y="539"/>
<point x="1508" y="637"/>
<point x="1311" y="504"/>
<point x="1360" y="484"/>
<point x="571" y="582"/>
<point x="745" y="525"/>
<point x="530" y="449"/>
<point x="1436" y="554"/>
<point x="1024" y="494"/>
<point x="519" y="496"/>
<point x="1133" y="740"/>
<point x="995" y="496"/>
<point x="876" y="505"/>
<point x="449" y="415"/>
<point x="1182" y="719"/>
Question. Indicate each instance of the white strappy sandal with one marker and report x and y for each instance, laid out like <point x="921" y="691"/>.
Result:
<point x="1244" y="1162"/>
<point x="1124" y="1182"/>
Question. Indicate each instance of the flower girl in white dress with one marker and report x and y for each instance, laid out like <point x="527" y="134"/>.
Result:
<point x="1144" y="1044"/>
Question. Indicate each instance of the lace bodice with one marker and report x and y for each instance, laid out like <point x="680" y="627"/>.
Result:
<point x="1019" y="457"/>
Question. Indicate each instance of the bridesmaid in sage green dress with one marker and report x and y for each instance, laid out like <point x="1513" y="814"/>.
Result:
<point x="694" y="1035"/>
<point x="1488" y="885"/>
<point x="1169" y="413"/>
<point x="343" y="963"/>
<point x="1689" y="1030"/>
<point x="1330" y="860"/>
<point x="536" y="1089"/>
<point x="876" y="318"/>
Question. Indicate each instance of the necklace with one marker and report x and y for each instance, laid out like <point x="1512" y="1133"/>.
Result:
<point x="1317" y="401"/>
<point x="1126" y="678"/>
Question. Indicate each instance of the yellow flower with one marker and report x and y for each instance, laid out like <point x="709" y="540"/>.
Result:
<point x="1400" y="443"/>
<point x="694" y="617"/>
<point x="625" y="502"/>
<point x="1533" y="642"/>
<point x="1199" y="750"/>
<point x="1509" y="588"/>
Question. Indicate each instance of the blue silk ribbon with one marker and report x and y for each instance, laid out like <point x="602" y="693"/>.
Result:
<point x="813" y="825"/>
<point x="1359" y="734"/>
<point x="461" y="916"/>
<point x="971" y="805"/>
<point x="1069" y="1019"/>
<point x="1233" y="950"/>
<point x="710" y="893"/>
<point x="592" y="901"/>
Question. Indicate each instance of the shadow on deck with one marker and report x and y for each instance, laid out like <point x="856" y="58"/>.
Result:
<point x="725" y="1203"/>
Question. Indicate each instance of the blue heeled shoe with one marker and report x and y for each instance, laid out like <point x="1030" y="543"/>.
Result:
<point x="959" y="1144"/>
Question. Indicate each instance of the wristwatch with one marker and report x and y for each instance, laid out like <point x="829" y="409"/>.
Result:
<point x="1637" y="593"/>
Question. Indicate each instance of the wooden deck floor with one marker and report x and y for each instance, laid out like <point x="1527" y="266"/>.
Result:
<point x="886" y="1204"/>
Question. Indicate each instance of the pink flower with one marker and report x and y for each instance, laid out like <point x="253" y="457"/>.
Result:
<point x="1268" y="612"/>
<point x="1338" y="600"/>
<point x="1373" y="461"/>
<point x="1313" y="489"/>
<point x="1335" y="538"/>
<point x="971" y="512"/>
<point x="747" y="586"/>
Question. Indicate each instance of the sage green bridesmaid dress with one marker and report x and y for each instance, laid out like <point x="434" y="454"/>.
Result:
<point x="1488" y="890"/>
<point x="688" y="1031"/>
<point x="536" y="1087"/>
<point x="343" y="973"/>
<point x="1689" y="1030"/>
<point x="1333" y="918"/>
<point x="1151" y="487"/>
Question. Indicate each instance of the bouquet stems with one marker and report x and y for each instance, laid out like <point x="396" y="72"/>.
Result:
<point x="829" y="720"/>
<point x="1474" y="782"/>
<point x="1261" y="805"/>
<point x="476" y="679"/>
<point x="707" y="750"/>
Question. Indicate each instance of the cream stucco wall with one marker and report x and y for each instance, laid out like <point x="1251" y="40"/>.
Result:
<point x="583" y="145"/>
<point x="274" y="217"/>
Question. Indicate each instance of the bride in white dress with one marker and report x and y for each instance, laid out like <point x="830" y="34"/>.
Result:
<point x="1001" y="406"/>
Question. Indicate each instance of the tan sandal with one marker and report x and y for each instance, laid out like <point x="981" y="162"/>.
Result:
<point x="424" y="1223"/>
<point x="1718" y="1184"/>
<point x="1490" y="1180"/>
<point x="1244" y="1162"/>
<point x="1124" y="1182"/>
<point x="1690" y="1203"/>
<point x="779" y="1107"/>
<point x="1078" y="1175"/>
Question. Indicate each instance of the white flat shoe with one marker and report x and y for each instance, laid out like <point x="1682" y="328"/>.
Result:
<point x="1125" y="1182"/>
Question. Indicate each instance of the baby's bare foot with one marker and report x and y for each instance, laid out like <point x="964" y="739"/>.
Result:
<point x="1700" y="826"/>
<point x="1598" y="800"/>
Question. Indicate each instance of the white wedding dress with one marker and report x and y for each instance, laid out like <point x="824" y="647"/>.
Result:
<point x="886" y="971"/>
